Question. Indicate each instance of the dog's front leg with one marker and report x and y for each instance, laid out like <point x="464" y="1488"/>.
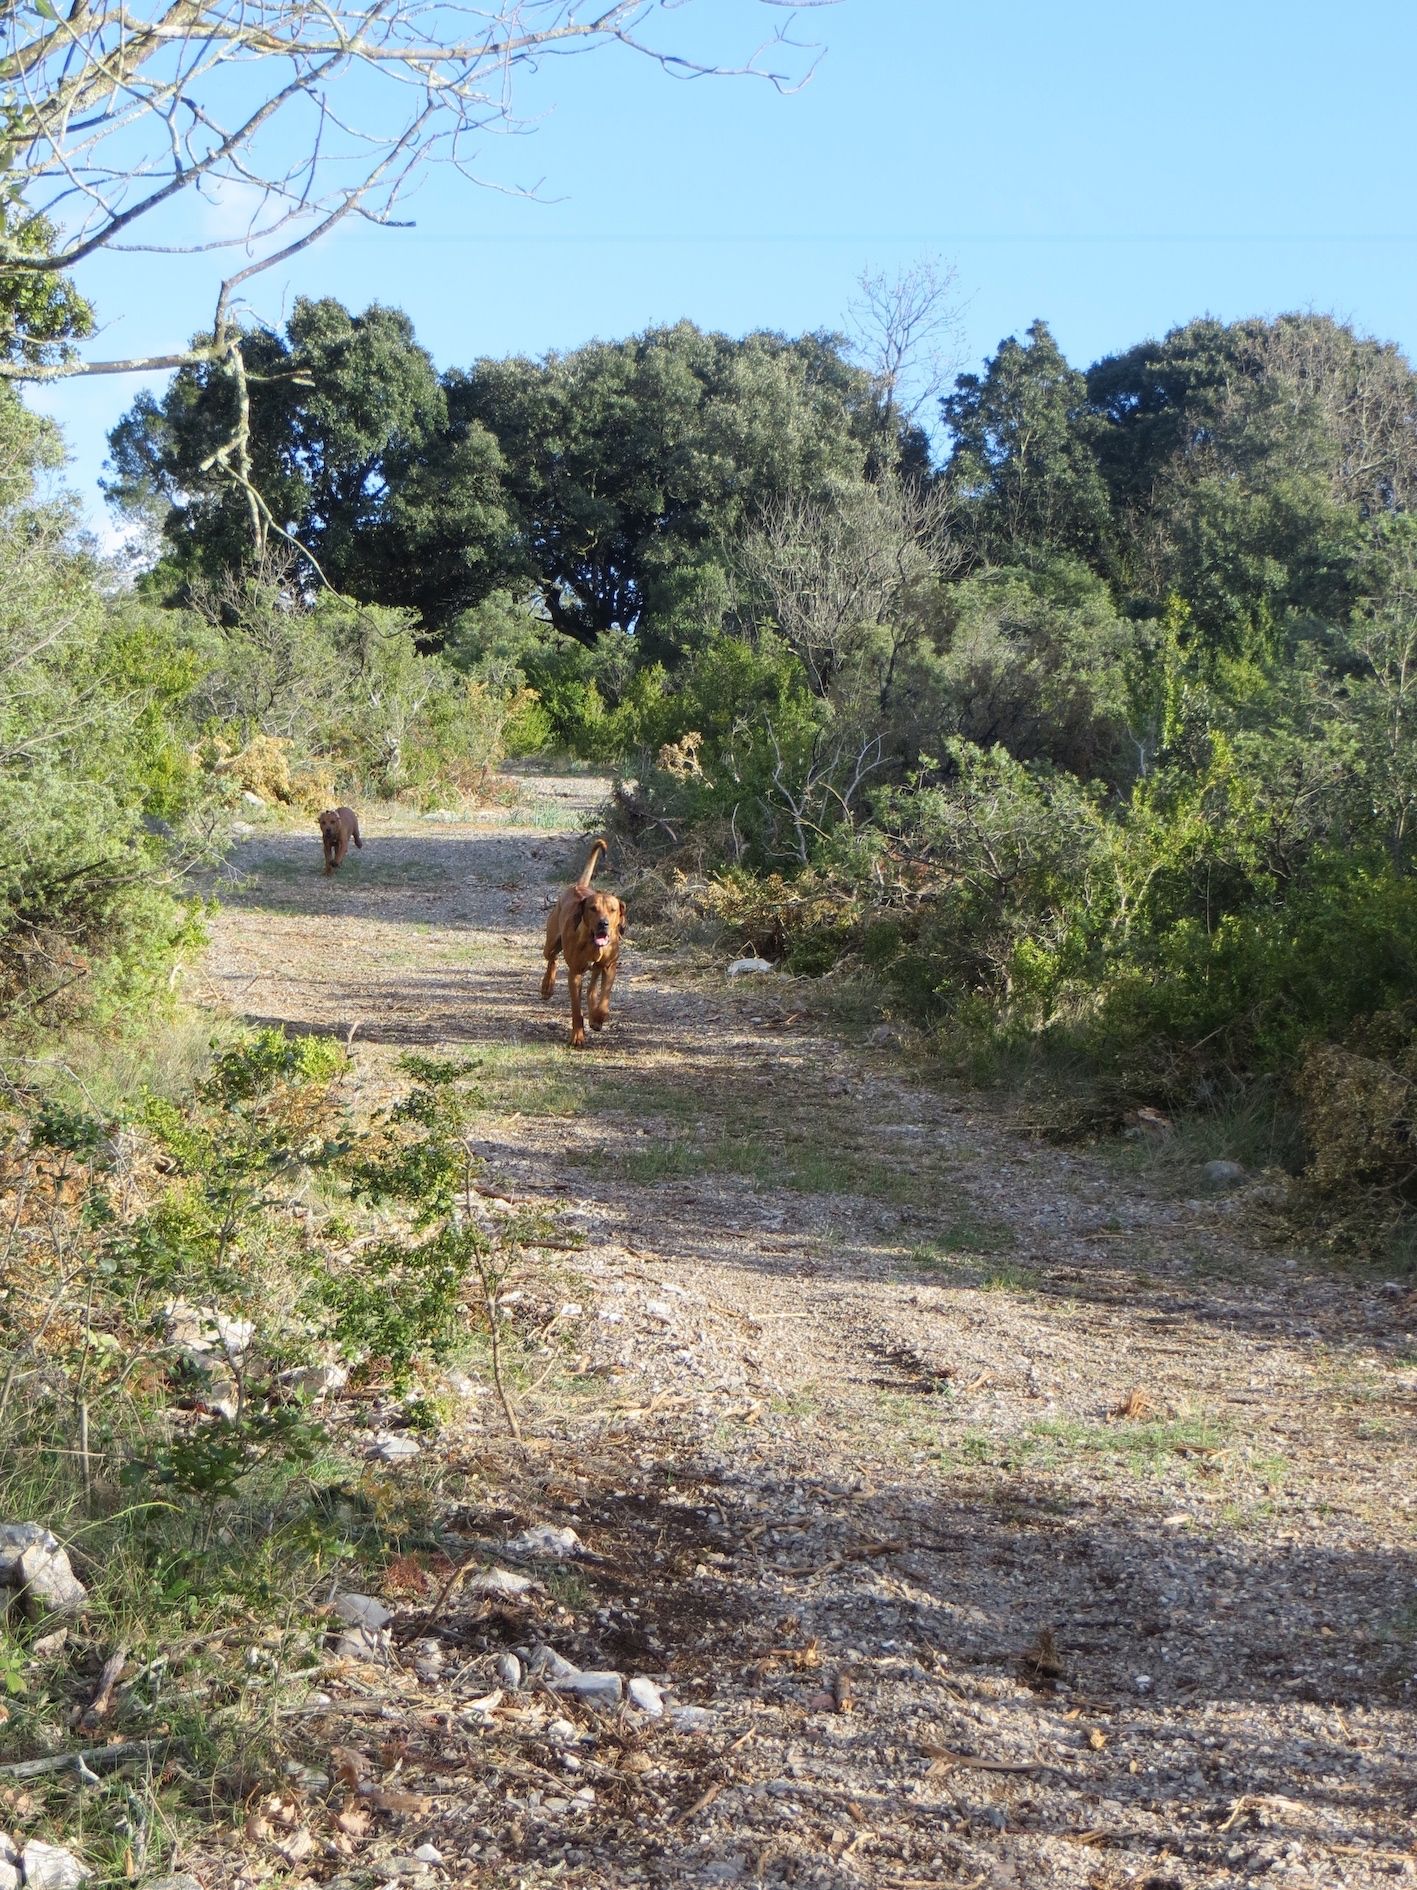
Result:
<point x="577" y="1019"/>
<point x="601" y="979"/>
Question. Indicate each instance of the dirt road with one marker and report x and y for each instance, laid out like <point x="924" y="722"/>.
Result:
<point x="1012" y="1517"/>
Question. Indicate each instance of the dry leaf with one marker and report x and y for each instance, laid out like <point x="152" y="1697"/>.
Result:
<point x="1136" y="1404"/>
<point x="1096" y="1738"/>
<point x="354" y="1821"/>
<point x="351" y="1768"/>
<point x="296" y="1847"/>
<point x="383" y="1799"/>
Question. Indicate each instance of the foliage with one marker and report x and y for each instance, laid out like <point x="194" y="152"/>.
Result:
<point x="94" y="774"/>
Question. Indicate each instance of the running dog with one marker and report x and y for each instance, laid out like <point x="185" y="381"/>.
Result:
<point x="586" y="928"/>
<point x="338" y="826"/>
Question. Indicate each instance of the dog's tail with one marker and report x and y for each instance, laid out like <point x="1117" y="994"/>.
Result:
<point x="602" y="845"/>
<point x="357" y="841"/>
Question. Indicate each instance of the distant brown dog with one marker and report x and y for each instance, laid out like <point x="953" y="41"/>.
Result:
<point x="338" y="826"/>
<point x="586" y="927"/>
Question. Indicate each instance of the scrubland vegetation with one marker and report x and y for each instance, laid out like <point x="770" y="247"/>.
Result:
<point x="1087" y="737"/>
<point x="1079" y="740"/>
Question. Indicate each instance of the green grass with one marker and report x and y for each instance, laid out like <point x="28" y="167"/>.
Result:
<point x="1142" y="1450"/>
<point x="963" y="1233"/>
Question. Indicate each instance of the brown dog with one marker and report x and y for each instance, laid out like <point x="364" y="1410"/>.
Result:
<point x="338" y="826"/>
<point x="586" y="927"/>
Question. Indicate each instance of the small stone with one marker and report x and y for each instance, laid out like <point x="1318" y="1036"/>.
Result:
<point x="428" y="1854"/>
<point x="596" y="1689"/>
<point x="250" y="799"/>
<point x="32" y="1561"/>
<point x="47" y="1867"/>
<point x="509" y="1671"/>
<point x="181" y="1881"/>
<point x="646" y="1696"/>
<point x="746" y="967"/>
<point x="691" y="1719"/>
<point x="546" y="1539"/>
<point x="659" y="1309"/>
<point x="498" y="1581"/>
<point x="361" y="1611"/>
<point x="1221" y="1175"/>
<point x="242" y="829"/>
<point x="393" y="1447"/>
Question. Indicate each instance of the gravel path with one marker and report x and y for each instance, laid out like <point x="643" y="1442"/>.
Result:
<point x="1013" y="1517"/>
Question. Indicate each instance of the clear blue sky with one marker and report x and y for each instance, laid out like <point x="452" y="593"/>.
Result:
<point x="1115" y="168"/>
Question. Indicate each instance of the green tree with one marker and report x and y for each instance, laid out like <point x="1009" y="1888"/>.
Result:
<point x="1248" y="466"/>
<point x="633" y="465"/>
<point x="349" y="449"/>
<point x="1025" y="475"/>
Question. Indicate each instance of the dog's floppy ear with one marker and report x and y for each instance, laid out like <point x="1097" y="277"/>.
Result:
<point x="624" y="913"/>
<point x="578" y="910"/>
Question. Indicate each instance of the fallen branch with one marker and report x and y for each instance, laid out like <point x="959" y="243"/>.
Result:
<point x="88" y="1760"/>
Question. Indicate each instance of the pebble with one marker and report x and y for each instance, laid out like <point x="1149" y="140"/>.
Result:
<point x="509" y="1671"/>
<point x="361" y="1611"/>
<point x="596" y="1689"/>
<point x="47" y="1867"/>
<point x="1219" y="1175"/>
<point x="747" y="967"/>
<point x="32" y="1561"/>
<point x="546" y="1539"/>
<point x="498" y="1581"/>
<point x="646" y="1696"/>
<point x="391" y="1446"/>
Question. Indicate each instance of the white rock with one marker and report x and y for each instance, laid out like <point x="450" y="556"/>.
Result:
<point x="32" y="1561"/>
<point x="428" y="1854"/>
<point x="690" y="1719"/>
<point x="251" y="799"/>
<point x="393" y="1447"/>
<point x="373" y="1645"/>
<point x="361" y="1611"/>
<point x="9" y="1864"/>
<point x="47" y="1867"/>
<point x="509" y="1671"/>
<point x="550" y="1665"/>
<point x="660" y="1309"/>
<point x="498" y="1581"/>
<point x="745" y="967"/>
<point x="647" y="1696"/>
<point x="546" y="1539"/>
<point x="596" y="1689"/>
<point x="242" y="829"/>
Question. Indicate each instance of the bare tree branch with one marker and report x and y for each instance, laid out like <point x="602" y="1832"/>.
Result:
<point x="114" y="110"/>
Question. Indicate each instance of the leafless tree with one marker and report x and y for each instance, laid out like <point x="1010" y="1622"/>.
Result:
<point x="836" y="575"/>
<point x="300" y="112"/>
<point x="907" y="330"/>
